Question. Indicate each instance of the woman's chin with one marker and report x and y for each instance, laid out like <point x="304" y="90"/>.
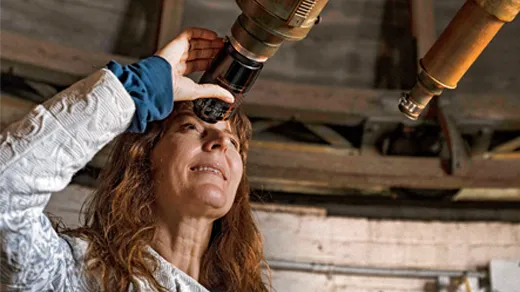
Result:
<point x="211" y="195"/>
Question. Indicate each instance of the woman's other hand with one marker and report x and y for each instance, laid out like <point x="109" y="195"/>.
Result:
<point x="192" y="51"/>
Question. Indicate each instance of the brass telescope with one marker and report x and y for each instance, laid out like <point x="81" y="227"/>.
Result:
<point x="256" y="36"/>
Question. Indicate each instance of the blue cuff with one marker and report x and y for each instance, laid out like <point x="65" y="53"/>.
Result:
<point x="149" y="83"/>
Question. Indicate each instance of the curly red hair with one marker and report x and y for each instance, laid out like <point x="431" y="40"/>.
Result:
<point x="119" y="220"/>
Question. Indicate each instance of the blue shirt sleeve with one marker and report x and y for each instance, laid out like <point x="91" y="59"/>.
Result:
<point x="149" y="83"/>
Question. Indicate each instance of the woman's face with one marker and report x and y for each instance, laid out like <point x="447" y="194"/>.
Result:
<point x="197" y="167"/>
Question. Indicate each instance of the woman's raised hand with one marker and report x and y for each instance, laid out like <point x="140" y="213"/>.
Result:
<point x="191" y="51"/>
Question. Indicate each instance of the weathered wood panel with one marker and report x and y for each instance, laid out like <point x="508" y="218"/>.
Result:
<point x="347" y="241"/>
<point x="289" y="281"/>
<point x="359" y="242"/>
<point x="126" y="27"/>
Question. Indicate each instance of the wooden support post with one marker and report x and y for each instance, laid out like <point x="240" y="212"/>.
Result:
<point x="482" y="142"/>
<point x="423" y="25"/>
<point x="372" y="131"/>
<point x="171" y="21"/>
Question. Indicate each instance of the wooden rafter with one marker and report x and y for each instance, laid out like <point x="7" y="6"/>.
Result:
<point x="509" y="146"/>
<point x="329" y="135"/>
<point x="507" y="150"/>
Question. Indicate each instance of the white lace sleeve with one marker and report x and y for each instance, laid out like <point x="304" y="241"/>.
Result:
<point x="38" y="156"/>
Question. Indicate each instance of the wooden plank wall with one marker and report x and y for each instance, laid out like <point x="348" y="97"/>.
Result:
<point x="125" y="27"/>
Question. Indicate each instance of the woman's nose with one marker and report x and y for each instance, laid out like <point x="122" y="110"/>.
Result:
<point x="217" y="141"/>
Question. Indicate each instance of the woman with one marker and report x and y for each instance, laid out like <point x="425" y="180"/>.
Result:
<point x="172" y="210"/>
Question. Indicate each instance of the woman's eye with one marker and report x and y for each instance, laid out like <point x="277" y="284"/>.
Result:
<point x="189" y="126"/>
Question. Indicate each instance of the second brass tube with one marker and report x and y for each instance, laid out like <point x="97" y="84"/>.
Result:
<point x="457" y="48"/>
<point x="460" y="44"/>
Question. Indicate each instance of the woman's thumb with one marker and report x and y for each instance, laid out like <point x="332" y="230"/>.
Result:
<point x="213" y="91"/>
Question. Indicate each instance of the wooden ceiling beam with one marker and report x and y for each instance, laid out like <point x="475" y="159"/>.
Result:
<point x="60" y="65"/>
<point x="301" y="168"/>
<point x="269" y="161"/>
<point x="48" y="61"/>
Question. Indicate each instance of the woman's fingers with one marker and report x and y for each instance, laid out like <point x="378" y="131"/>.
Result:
<point x="203" y="49"/>
<point x="187" y="89"/>
<point x="193" y="38"/>
<point x="198" y="44"/>
<point x="202" y="54"/>
<point x="197" y="65"/>
<point x="198" y="33"/>
<point x="212" y="91"/>
<point x="185" y="68"/>
<point x="193" y="50"/>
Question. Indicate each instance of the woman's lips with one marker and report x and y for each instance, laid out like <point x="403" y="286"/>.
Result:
<point x="211" y="169"/>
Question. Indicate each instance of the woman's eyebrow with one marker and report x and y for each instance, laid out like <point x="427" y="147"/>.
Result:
<point x="175" y="121"/>
<point x="184" y="115"/>
<point x="190" y="115"/>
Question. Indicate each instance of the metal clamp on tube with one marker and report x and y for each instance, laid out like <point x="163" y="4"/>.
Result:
<point x="459" y="45"/>
<point x="256" y="36"/>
